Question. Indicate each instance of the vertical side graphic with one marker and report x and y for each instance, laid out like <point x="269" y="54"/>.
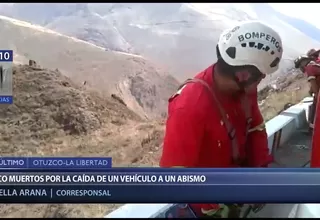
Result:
<point x="6" y="80"/>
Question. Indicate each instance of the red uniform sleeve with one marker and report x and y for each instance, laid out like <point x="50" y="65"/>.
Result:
<point x="257" y="141"/>
<point x="181" y="148"/>
<point x="183" y="137"/>
<point x="315" y="153"/>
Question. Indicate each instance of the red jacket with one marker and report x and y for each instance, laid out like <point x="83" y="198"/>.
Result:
<point x="312" y="71"/>
<point x="195" y="134"/>
<point x="315" y="152"/>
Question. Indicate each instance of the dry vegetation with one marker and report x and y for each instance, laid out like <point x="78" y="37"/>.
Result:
<point x="292" y="89"/>
<point x="52" y="116"/>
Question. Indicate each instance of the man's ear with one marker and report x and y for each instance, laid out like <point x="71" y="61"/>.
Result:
<point x="242" y="75"/>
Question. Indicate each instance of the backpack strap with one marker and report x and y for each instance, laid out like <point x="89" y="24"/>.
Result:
<point x="246" y="107"/>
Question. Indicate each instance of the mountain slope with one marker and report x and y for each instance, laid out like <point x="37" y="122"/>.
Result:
<point x="179" y="36"/>
<point x="74" y="19"/>
<point x="302" y="25"/>
<point x="143" y="87"/>
<point x="53" y="116"/>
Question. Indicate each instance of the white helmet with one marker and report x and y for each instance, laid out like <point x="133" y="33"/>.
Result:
<point x="251" y="43"/>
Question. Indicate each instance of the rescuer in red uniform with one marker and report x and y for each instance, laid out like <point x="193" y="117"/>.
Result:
<point x="315" y="152"/>
<point x="315" y="118"/>
<point x="311" y="67"/>
<point x="214" y="119"/>
<point x="314" y="84"/>
<point x="314" y="55"/>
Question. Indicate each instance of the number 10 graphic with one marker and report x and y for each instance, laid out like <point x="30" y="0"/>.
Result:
<point x="6" y="58"/>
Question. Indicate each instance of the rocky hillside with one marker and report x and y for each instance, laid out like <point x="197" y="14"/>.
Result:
<point x="288" y="89"/>
<point x="52" y="116"/>
<point x="180" y="36"/>
<point x="142" y="85"/>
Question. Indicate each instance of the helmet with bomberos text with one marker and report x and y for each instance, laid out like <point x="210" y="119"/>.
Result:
<point x="251" y="43"/>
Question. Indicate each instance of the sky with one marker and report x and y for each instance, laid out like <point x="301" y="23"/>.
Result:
<point x="306" y="11"/>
